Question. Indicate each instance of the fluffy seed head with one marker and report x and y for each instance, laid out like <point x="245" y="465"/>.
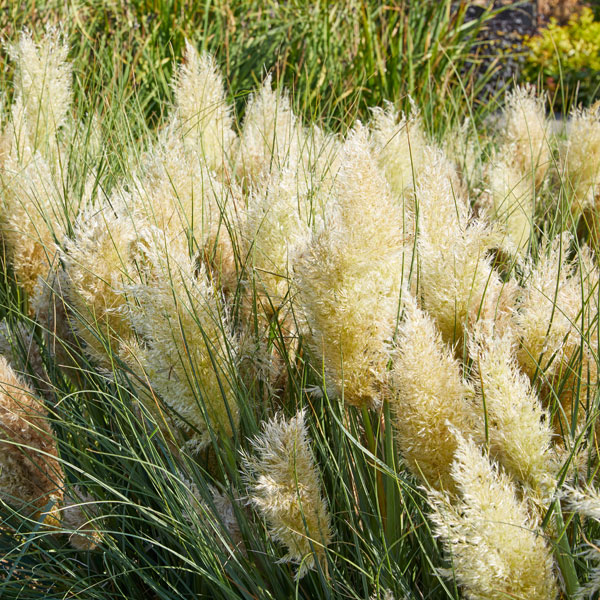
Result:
<point x="429" y="399"/>
<point x="493" y="543"/>
<point x="284" y="487"/>
<point x="399" y="145"/>
<point x="271" y="135"/>
<point x="43" y="88"/>
<point x="189" y="350"/>
<point x="30" y="474"/>
<point x="349" y="278"/>
<point x="202" y="115"/>
<point x="106" y="254"/>
<point x="520" y="437"/>
<point x="580" y="159"/>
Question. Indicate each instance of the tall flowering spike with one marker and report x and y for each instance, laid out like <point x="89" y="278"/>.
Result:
<point x="520" y="436"/>
<point x="30" y="473"/>
<point x="106" y="254"/>
<point x="520" y="164"/>
<point x="580" y="159"/>
<point x="429" y="399"/>
<point x="457" y="282"/>
<point x="277" y="230"/>
<point x="35" y="216"/>
<point x="548" y="312"/>
<point x="43" y="90"/>
<point x="202" y="114"/>
<point x="178" y="194"/>
<point x="493" y="543"/>
<point x="399" y="144"/>
<point x="284" y="487"/>
<point x="349" y="278"/>
<point x="271" y="137"/>
<point x="189" y="354"/>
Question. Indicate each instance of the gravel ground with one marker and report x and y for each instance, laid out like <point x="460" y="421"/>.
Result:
<point x="503" y="35"/>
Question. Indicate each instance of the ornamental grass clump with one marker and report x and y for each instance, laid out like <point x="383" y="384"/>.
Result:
<point x="266" y="342"/>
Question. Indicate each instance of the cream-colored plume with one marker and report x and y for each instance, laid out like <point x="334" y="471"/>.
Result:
<point x="517" y="169"/>
<point x="271" y="138"/>
<point x="349" y="278"/>
<point x="518" y="428"/>
<point x="429" y="399"/>
<point x="399" y="145"/>
<point x="178" y="194"/>
<point x="37" y="205"/>
<point x="43" y="92"/>
<point x="494" y="545"/>
<point x="202" y="115"/>
<point x="580" y="159"/>
<point x="106" y="254"/>
<point x="284" y="487"/>
<point x="189" y="352"/>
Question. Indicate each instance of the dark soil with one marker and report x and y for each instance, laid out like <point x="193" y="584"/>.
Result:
<point x="500" y="44"/>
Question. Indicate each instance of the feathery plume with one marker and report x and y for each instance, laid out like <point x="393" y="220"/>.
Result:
<point x="35" y="218"/>
<point x="213" y="514"/>
<point x="201" y="112"/>
<point x="106" y="254"/>
<point x="458" y="285"/>
<point x="37" y="206"/>
<point x="43" y="91"/>
<point x="580" y="159"/>
<point x="271" y="137"/>
<point x="548" y="310"/>
<point x="30" y="473"/>
<point x="520" y="436"/>
<point x="350" y="276"/>
<point x="399" y="145"/>
<point x="493" y="542"/>
<point x="178" y="194"/>
<point x="517" y="169"/>
<point x="278" y="229"/>
<point x="284" y="487"/>
<point x="429" y="399"/>
<point x="189" y="350"/>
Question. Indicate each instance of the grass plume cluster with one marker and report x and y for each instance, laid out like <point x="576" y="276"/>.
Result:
<point x="260" y="359"/>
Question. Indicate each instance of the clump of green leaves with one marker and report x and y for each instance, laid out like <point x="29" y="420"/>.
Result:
<point x="567" y="59"/>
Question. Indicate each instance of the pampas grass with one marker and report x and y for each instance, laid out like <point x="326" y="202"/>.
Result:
<point x="278" y="361"/>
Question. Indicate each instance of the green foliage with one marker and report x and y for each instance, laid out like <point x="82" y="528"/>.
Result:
<point x="567" y="59"/>
<point x="339" y="58"/>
